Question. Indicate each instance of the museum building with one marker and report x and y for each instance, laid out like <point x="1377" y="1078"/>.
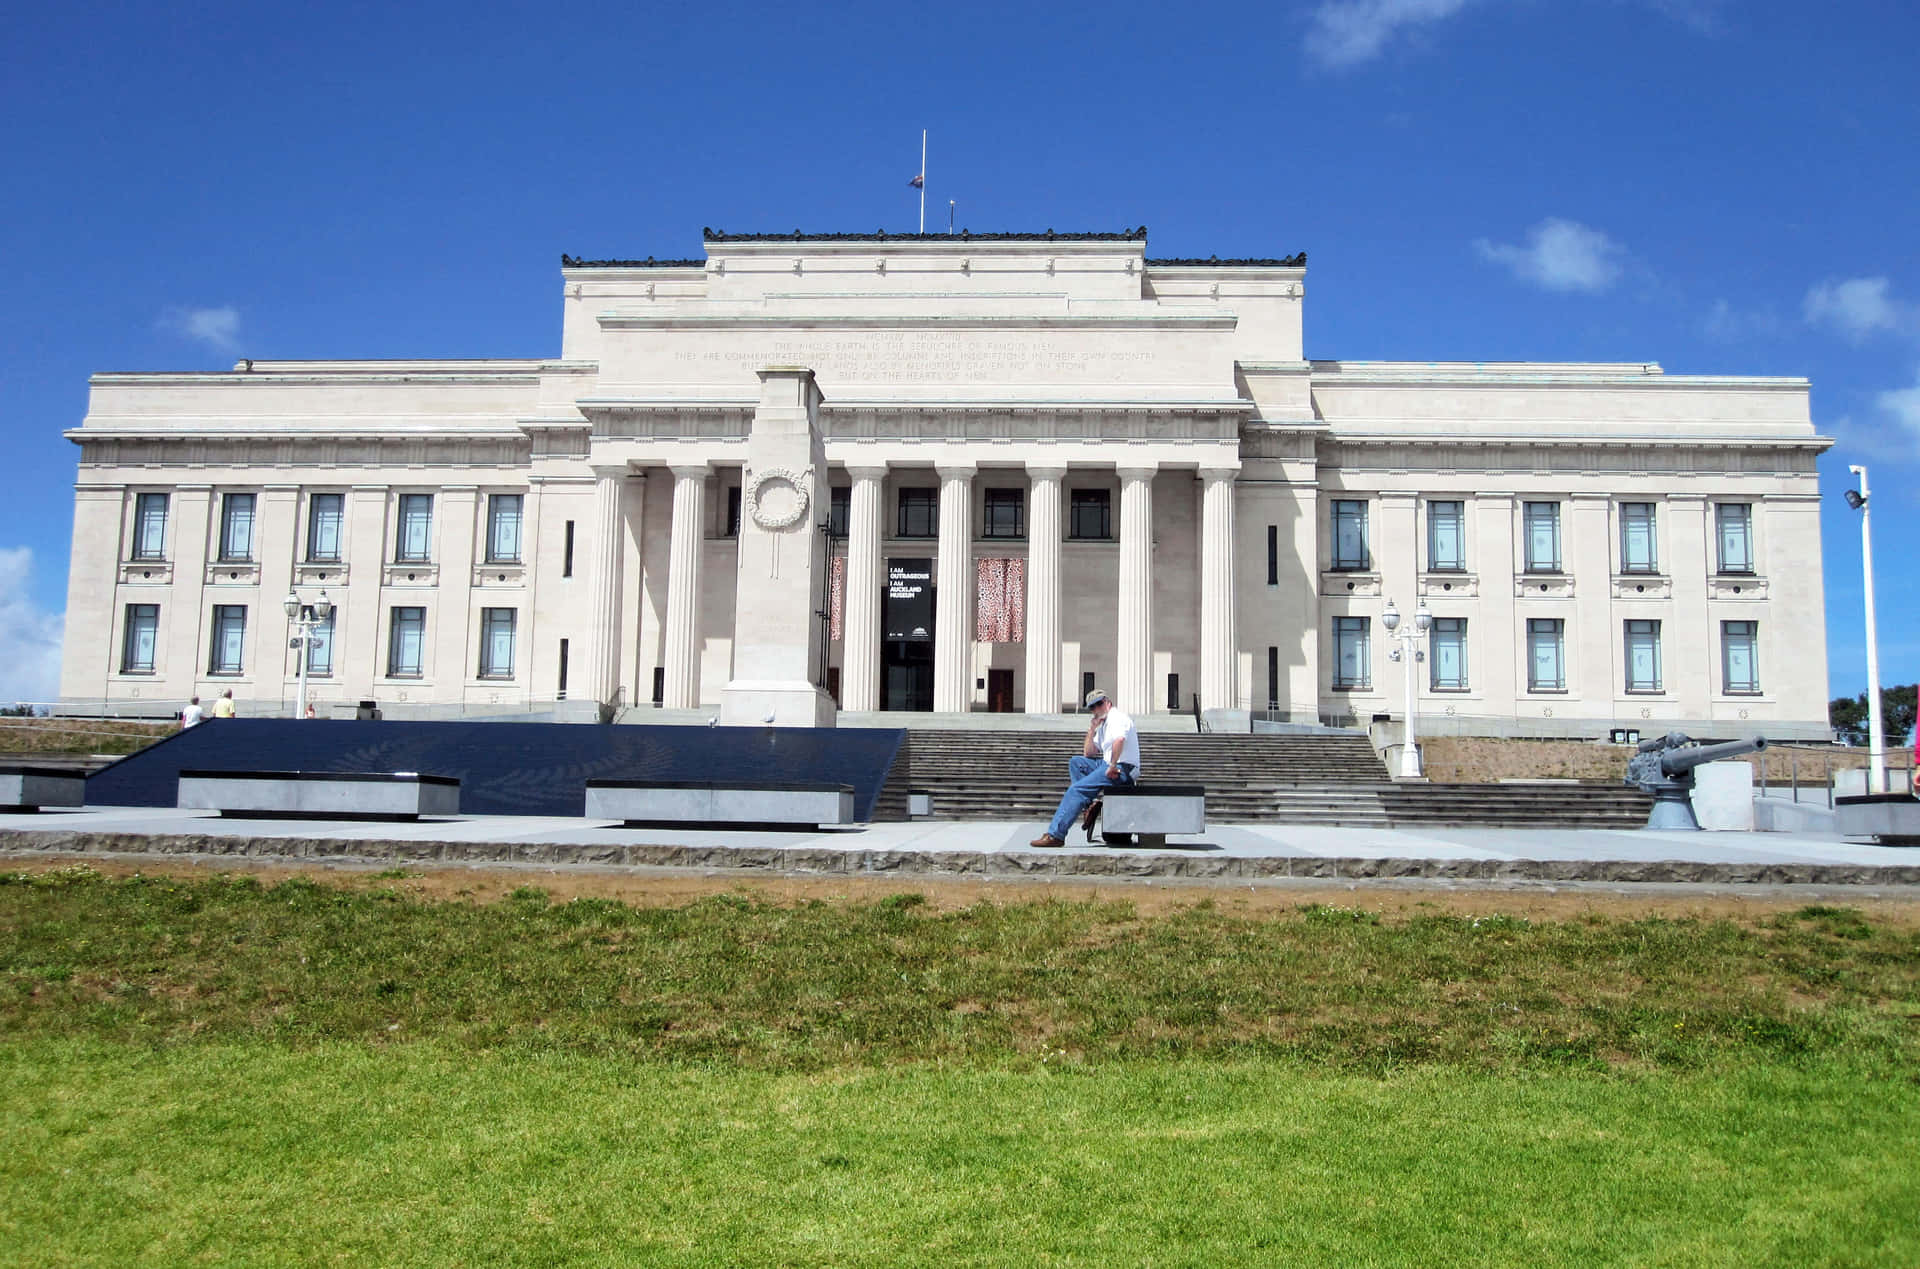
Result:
<point x="816" y="475"/>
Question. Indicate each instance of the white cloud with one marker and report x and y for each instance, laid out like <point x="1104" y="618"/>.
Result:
<point x="1856" y="307"/>
<point x="1560" y="255"/>
<point x="29" y="637"/>
<point x="218" y="328"/>
<point x="1348" y="32"/>
<point x="1902" y="405"/>
<point x="1731" y="325"/>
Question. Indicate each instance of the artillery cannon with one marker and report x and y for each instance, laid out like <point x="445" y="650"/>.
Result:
<point x="1664" y="767"/>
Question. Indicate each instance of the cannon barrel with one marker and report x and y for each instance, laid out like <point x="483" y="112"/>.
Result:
<point x="1678" y="762"/>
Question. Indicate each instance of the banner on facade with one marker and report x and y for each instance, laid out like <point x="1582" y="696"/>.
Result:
<point x="909" y="609"/>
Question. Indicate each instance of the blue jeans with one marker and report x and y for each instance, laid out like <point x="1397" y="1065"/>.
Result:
<point x="1087" y="776"/>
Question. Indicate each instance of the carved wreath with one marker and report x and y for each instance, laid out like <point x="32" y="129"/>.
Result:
<point x="777" y="496"/>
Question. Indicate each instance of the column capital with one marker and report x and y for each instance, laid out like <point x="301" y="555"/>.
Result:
<point x="867" y="471"/>
<point x="1137" y="471"/>
<point x="956" y="471"/>
<point x="1046" y="471"/>
<point x="690" y="471"/>
<point x="1219" y="471"/>
<point x="610" y="471"/>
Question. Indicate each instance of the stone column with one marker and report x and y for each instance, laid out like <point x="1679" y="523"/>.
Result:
<point x="1043" y="590"/>
<point x="452" y="623"/>
<point x="1218" y="641"/>
<point x="683" y="587"/>
<point x="860" y="649"/>
<point x="953" y="622"/>
<point x="1133" y="674"/>
<point x="600" y="667"/>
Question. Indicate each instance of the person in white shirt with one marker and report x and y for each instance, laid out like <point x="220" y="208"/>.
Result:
<point x="192" y="714"/>
<point x="1112" y="756"/>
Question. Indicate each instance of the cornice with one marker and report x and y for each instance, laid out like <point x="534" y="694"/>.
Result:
<point x="965" y="235"/>
<point x="1298" y="260"/>
<point x="1200" y="320"/>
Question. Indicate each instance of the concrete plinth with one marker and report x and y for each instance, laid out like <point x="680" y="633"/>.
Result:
<point x="1723" y="797"/>
<point x="750" y="704"/>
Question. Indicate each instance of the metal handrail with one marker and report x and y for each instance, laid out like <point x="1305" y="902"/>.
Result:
<point x="1893" y="760"/>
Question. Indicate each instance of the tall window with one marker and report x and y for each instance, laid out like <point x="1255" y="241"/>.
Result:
<point x="323" y="528"/>
<point x="143" y="632"/>
<point x="229" y="639"/>
<point x="1273" y="555"/>
<point x="150" y="527"/>
<point x="1740" y="657"/>
<point x="415" y="538"/>
<point x="1349" y="536"/>
<point x="839" y="510"/>
<point x="1735" y="523"/>
<point x="1643" y="656"/>
<point x="566" y="553"/>
<point x="1006" y="513"/>
<point x="496" y="643"/>
<point x="1637" y="552"/>
<point x="1449" y="648"/>
<point x="732" y="529"/>
<point x="1446" y="537"/>
<point x="1352" y="657"/>
<point x="503" y="528"/>
<point x="919" y="513"/>
<point x="1273" y="676"/>
<point x="236" y="527"/>
<point x="320" y="651"/>
<point x="406" y="643"/>
<point x="1090" y="515"/>
<point x="1542" y="527"/>
<point x="1546" y="654"/>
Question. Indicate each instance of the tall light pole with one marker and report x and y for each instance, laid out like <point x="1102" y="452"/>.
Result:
<point x="1410" y="654"/>
<point x="1876" y="733"/>
<point x="306" y="618"/>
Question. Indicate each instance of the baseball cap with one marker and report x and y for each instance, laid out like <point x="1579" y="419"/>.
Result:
<point x="1096" y="696"/>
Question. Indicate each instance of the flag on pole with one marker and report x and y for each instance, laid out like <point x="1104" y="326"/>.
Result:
<point x="918" y="181"/>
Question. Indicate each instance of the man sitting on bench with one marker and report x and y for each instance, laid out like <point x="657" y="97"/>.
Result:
<point x="1112" y="757"/>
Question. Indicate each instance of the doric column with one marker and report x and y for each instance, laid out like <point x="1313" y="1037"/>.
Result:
<point x="1043" y="590"/>
<point x="1218" y="650"/>
<point x="1133" y="676"/>
<point x="860" y="646"/>
<point x="683" y="587"/>
<point x="603" y="635"/>
<point x="953" y="623"/>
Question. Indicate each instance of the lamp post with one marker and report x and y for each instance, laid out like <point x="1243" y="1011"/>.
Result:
<point x="1410" y="654"/>
<point x="1876" y="733"/>
<point x="306" y="618"/>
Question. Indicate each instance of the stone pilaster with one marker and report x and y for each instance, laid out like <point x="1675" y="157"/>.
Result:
<point x="683" y="587"/>
<point x="860" y="649"/>
<point x="1133" y="682"/>
<point x="190" y="544"/>
<point x="1043" y="590"/>
<point x="1218" y="644"/>
<point x="452" y="625"/>
<point x="953" y="623"/>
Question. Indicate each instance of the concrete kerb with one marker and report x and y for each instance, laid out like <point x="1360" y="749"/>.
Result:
<point x="1002" y="864"/>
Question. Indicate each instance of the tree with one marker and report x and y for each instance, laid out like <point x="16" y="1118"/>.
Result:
<point x="1848" y="715"/>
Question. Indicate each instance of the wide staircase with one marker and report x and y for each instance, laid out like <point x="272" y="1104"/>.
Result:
<point x="1330" y="778"/>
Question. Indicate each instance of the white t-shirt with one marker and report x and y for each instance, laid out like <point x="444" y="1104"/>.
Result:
<point x="192" y="714"/>
<point x="1118" y="726"/>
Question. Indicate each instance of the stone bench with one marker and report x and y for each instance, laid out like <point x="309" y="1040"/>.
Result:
<point x="328" y="795"/>
<point x="1143" y="814"/>
<point x="30" y="788"/>
<point x="1888" y="818"/>
<point x="697" y="802"/>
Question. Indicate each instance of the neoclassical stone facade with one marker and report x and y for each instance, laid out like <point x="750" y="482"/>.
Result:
<point x="1045" y="460"/>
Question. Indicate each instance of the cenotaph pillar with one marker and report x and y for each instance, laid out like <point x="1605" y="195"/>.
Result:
<point x="1133" y="675"/>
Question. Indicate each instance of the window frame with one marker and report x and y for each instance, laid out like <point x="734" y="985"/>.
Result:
<point x="1096" y="504"/>
<point x="322" y="633"/>
<point x="1752" y="636"/>
<point x="233" y="524"/>
<point x="1456" y="626"/>
<point x="1642" y="634"/>
<point x="839" y="511"/>
<point x="1349" y="512"/>
<point x="1721" y="523"/>
<point x="917" y="512"/>
<point x="132" y="614"/>
<point x="338" y="515"/>
<point x="498" y="518"/>
<point x="488" y="668"/>
<point x="999" y="500"/>
<point x="224" y="640"/>
<point x="1358" y="629"/>
<point x="1650" y="566"/>
<point x="1529" y="510"/>
<point x="149" y="532"/>
<point x="1459" y="517"/>
<point x="418" y="626"/>
<point x="1539" y="628"/>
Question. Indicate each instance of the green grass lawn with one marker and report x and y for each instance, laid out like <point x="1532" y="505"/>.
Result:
<point x="216" y="1071"/>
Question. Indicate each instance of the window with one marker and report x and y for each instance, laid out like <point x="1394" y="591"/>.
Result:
<point x="1273" y="676"/>
<point x="323" y="528"/>
<point x="1352" y="657"/>
<point x="406" y="642"/>
<point x="1273" y="555"/>
<point x="503" y="528"/>
<point x="1735" y="523"/>
<point x="1546" y="654"/>
<point x="236" y="527"/>
<point x="1448" y="654"/>
<point x="320" y="652"/>
<point x="229" y="639"/>
<point x="1739" y="657"/>
<point x="1643" y="656"/>
<point x="732" y="529"/>
<point x="1090" y="515"/>
<point x="1446" y="537"/>
<point x="1637" y="553"/>
<point x="1542" y="528"/>
<point x="560" y="692"/>
<point x="839" y="511"/>
<point x="143" y="631"/>
<point x="416" y="529"/>
<point x="1006" y="513"/>
<point x="496" y="642"/>
<point x="150" y="527"/>
<point x="919" y="513"/>
<point x="1349" y="536"/>
<point x="566" y="553"/>
<point x="1173" y="693"/>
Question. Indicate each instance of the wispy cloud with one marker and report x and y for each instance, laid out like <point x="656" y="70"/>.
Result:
<point x="1347" y="32"/>
<point x="29" y="636"/>
<point x="218" y="328"/>
<point x="1560" y="255"/>
<point x="1856" y="307"/>
<point x="1731" y="325"/>
<point x="1902" y="405"/>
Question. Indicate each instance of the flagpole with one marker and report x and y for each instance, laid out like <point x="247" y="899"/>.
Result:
<point x="923" y="180"/>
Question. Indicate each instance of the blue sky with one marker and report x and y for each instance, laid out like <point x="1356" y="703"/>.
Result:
<point x="1721" y="187"/>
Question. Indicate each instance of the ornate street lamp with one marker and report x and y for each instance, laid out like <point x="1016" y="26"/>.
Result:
<point x="1876" y="733"/>
<point x="1410" y="654"/>
<point x="306" y="618"/>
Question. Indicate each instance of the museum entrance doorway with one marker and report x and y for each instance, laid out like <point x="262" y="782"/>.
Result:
<point x="907" y="675"/>
<point x="906" y="651"/>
